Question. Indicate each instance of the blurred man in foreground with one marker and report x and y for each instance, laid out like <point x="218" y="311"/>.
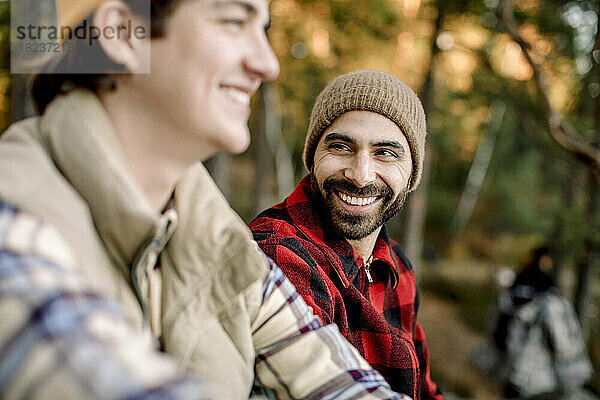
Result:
<point x="124" y="273"/>
<point x="364" y="152"/>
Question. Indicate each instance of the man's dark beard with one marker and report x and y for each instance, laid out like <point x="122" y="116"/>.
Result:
<point x="352" y="226"/>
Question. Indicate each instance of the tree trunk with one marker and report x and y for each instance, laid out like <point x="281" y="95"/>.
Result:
<point x="417" y="204"/>
<point x="588" y="269"/>
<point x="481" y="162"/>
<point x="271" y="151"/>
<point x="284" y="167"/>
<point x="262" y="155"/>
<point x="219" y="167"/>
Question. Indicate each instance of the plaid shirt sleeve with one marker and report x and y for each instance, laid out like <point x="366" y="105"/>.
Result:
<point x="59" y="339"/>
<point x="300" y="357"/>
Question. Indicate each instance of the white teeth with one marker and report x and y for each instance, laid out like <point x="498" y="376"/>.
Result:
<point x="237" y="95"/>
<point x="357" y="201"/>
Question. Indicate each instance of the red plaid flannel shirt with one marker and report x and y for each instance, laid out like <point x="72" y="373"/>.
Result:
<point x="378" y="318"/>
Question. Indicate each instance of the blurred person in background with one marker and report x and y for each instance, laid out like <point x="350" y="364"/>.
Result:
<point x="542" y="352"/>
<point x="124" y="273"/>
<point x="364" y="152"/>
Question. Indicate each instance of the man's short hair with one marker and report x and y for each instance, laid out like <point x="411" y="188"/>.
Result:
<point x="48" y="85"/>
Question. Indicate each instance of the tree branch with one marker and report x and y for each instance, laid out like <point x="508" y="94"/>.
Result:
<point x="561" y="130"/>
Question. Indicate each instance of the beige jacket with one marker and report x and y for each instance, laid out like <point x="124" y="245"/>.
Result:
<point x="205" y="302"/>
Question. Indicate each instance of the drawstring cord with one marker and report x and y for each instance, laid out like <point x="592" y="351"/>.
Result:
<point x="143" y="273"/>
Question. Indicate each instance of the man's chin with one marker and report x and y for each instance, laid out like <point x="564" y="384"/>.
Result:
<point x="351" y="233"/>
<point x="352" y="226"/>
<point x="358" y="226"/>
<point x="238" y="143"/>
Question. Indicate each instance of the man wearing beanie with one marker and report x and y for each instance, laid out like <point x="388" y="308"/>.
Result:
<point x="364" y="153"/>
<point x="124" y="272"/>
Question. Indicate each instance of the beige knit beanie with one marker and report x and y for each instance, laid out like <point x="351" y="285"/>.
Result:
<point x="374" y="91"/>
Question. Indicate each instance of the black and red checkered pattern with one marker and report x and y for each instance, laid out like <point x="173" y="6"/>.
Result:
<point x="378" y="318"/>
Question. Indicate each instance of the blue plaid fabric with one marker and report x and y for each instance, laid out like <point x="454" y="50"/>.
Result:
<point x="359" y="381"/>
<point x="61" y="339"/>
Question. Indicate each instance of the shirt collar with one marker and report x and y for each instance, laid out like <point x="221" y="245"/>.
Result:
<point x="84" y="144"/>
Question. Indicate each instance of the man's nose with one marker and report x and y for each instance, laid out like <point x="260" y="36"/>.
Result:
<point x="360" y="171"/>
<point x="261" y="60"/>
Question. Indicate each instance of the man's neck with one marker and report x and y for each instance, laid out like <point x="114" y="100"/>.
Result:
<point x="364" y="247"/>
<point x="157" y="160"/>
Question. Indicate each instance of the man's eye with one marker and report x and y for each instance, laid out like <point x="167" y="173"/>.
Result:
<point x="386" y="153"/>
<point x="238" y="22"/>
<point x="339" y="147"/>
<point x="234" y="22"/>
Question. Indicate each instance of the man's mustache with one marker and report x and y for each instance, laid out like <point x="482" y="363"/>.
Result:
<point x="348" y="187"/>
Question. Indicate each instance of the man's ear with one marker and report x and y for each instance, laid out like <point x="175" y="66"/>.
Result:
<point x="113" y="18"/>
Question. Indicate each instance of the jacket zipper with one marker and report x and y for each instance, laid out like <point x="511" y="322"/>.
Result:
<point x="368" y="267"/>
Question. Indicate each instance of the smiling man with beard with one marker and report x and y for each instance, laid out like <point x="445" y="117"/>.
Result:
<point x="364" y="152"/>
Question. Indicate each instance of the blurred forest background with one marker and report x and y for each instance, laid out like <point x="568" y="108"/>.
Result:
<point x="512" y="94"/>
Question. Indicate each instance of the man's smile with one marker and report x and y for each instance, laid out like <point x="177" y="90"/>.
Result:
<point x="356" y="200"/>
<point x="238" y="95"/>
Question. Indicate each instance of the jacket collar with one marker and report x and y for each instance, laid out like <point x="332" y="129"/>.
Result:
<point x="210" y="238"/>
<point x="302" y="209"/>
<point x="85" y="147"/>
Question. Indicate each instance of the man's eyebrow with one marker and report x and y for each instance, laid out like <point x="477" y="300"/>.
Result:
<point x="249" y="7"/>
<point x="330" y="137"/>
<point x="390" y="143"/>
<point x="333" y="136"/>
